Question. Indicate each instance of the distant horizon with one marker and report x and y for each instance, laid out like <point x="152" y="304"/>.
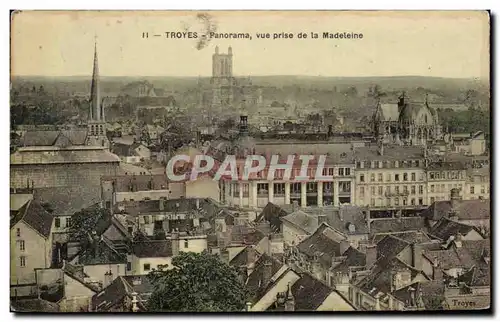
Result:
<point x="247" y="76"/>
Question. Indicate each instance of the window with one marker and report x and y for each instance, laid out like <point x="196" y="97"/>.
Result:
<point x="396" y="201"/>
<point x="361" y="192"/>
<point x="396" y="164"/>
<point x="311" y="187"/>
<point x="380" y="179"/>
<point x="147" y="267"/>
<point x="405" y="189"/>
<point x="68" y="222"/>
<point x="146" y="220"/>
<point x="472" y="189"/>
<point x="21" y="245"/>
<point x="362" y="164"/>
<point x="347" y="171"/>
<point x="432" y="188"/>
<point x="330" y="171"/>
<point x="18" y="232"/>
<point x="412" y="201"/>
<point x="396" y="188"/>
<point x="130" y="229"/>
<point x="405" y="201"/>
<point x="421" y="189"/>
<point x="482" y="189"/>
<point x="361" y="178"/>
<point x="380" y="190"/>
<point x="372" y="177"/>
<point x="325" y="172"/>
<point x="413" y="190"/>
<point x="405" y="176"/>
<point x="413" y="176"/>
<point x="186" y="243"/>
<point x="421" y="176"/>
<point x="279" y="189"/>
<point x="388" y="189"/>
<point x="341" y="171"/>
<point x="372" y="202"/>
<point x="22" y="261"/>
<point x="432" y="200"/>
<point x="396" y="177"/>
<point x="129" y="266"/>
<point x="420" y="201"/>
<point x="373" y="190"/>
<point x="388" y="177"/>
<point x="58" y="222"/>
<point x="380" y="164"/>
<point x="388" y="201"/>
<point x="431" y="175"/>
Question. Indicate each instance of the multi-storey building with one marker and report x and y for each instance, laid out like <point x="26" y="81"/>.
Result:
<point x="442" y="177"/>
<point x="390" y="177"/>
<point x="477" y="184"/>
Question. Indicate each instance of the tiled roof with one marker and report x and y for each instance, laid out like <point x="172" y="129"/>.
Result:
<point x="208" y="208"/>
<point x="402" y="224"/>
<point x="256" y="285"/>
<point x="324" y="242"/>
<point x="25" y="157"/>
<point x="40" y="138"/>
<point x="156" y="248"/>
<point x="430" y="292"/>
<point x="33" y="305"/>
<point x="272" y="213"/>
<point x="389" y="247"/>
<point x="65" y="201"/>
<point x="411" y="237"/>
<point x="35" y="216"/>
<point x="102" y="253"/>
<point x="445" y="228"/>
<point x="469" y="254"/>
<point x="354" y="257"/>
<point x="341" y="218"/>
<point x="390" y="153"/>
<point x="465" y="210"/>
<point x="302" y="220"/>
<point x="242" y="257"/>
<point x="309" y="293"/>
<point x="110" y="296"/>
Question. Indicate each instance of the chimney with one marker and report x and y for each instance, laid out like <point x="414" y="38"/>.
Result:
<point x="225" y="256"/>
<point x="413" y="302"/>
<point x="174" y="239"/>
<point x="371" y="255"/>
<point x="455" y="199"/>
<point x="417" y="255"/>
<point x="135" y="307"/>
<point x="108" y="278"/>
<point x="330" y="130"/>
<point x="251" y="258"/>
<point x="290" y="301"/>
<point x="321" y="218"/>
<point x="243" y="124"/>
<point x="268" y="272"/>
<point x="248" y="306"/>
<point x="381" y="149"/>
<point x="243" y="274"/>
<point x="437" y="272"/>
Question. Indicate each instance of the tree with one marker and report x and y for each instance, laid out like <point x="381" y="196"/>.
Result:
<point x="196" y="283"/>
<point x="84" y="224"/>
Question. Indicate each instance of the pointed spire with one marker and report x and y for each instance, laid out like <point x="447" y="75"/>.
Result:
<point x="95" y="94"/>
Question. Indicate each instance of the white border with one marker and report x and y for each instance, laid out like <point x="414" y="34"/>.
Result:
<point x="200" y="5"/>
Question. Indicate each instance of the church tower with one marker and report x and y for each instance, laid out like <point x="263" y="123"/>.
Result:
<point x="96" y="124"/>
<point x="222" y="81"/>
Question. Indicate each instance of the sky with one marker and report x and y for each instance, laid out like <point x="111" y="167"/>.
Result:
<point x="440" y="44"/>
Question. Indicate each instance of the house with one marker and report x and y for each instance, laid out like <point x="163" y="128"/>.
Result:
<point x="477" y="185"/>
<point x="101" y="262"/>
<point x="139" y="187"/>
<point x="272" y="213"/>
<point x="297" y="226"/>
<point x="396" y="225"/>
<point x="134" y="153"/>
<point x="155" y="254"/>
<point x="469" y="143"/>
<point x="30" y="245"/>
<point x="446" y="228"/>
<point x="184" y="214"/>
<point x="316" y="252"/>
<point x="124" y="294"/>
<point x="68" y="287"/>
<point x="470" y="212"/>
<point x="310" y="294"/>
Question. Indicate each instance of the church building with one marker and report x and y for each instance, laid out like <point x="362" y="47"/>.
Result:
<point x="66" y="158"/>
<point x="406" y="123"/>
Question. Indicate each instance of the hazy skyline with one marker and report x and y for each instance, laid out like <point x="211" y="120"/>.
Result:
<point x="438" y="44"/>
